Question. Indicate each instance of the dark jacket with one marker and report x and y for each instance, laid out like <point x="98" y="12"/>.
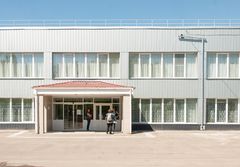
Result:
<point x="89" y="116"/>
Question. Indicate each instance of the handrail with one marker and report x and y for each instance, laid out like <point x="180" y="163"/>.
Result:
<point x="123" y="23"/>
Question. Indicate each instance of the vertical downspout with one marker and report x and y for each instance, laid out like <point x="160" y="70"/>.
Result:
<point x="202" y="85"/>
<point x="131" y="95"/>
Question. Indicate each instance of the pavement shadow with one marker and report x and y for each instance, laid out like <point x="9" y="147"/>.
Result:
<point x="140" y="128"/>
<point x="5" y="164"/>
<point x="141" y="131"/>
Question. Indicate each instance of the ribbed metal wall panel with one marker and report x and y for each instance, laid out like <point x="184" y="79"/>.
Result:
<point x="223" y="88"/>
<point x="144" y="88"/>
<point x="124" y="40"/>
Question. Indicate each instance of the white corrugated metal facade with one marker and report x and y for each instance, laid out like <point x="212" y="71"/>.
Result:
<point x="124" y="41"/>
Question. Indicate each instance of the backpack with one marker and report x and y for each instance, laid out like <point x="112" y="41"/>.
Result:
<point x="109" y="117"/>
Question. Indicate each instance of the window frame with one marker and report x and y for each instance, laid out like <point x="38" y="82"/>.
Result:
<point x="217" y="65"/>
<point x="161" y="64"/>
<point x="74" y="76"/>
<point x="161" y="54"/>
<point x="84" y="102"/>
<point x="238" y="55"/>
<point x="140" y="75"/>
<point x="216" y="75"/>
<point x="162" y="111"/>
<point x="173" y="66"/>
<point x="184" y="65"/>
<point x="226" y="112"/>
<point x="184" y="111"/>
<point x="195" y="55"/>
<point x="8" y="57"/>
<point x="33" y="54"/>
<point x="22" y="112"/>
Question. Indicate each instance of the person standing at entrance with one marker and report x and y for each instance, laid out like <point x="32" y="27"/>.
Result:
<point x="109" y="119"/>
<point x="115" y="113"/>
<point x="89" y="117"/>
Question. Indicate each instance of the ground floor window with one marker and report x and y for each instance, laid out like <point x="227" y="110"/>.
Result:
<point x="180" y="114"/>
<point x="191" y="108"/>
<point x="58" y="112"/>
<point x="222" y="111"/>
<point x="232" y="110"/>
<point x="16" y="110"/>
<point x="156" y="110"/>
<point x="168" y="110"/>
<point x="4" y="110"/>
<point x="164" y="110"/>
<point x="210" y="110"/>
<point x="27" y="110"/>
<point x="145" y="108"/>
<point x="135" y="110"/>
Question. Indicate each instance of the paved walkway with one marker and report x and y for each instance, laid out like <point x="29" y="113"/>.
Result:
<point x="162" y="148"/>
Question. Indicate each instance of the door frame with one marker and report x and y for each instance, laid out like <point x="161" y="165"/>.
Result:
<point x="79" y="104"/>
<point x="73" y="115"/>
<point x="100" y="113"/>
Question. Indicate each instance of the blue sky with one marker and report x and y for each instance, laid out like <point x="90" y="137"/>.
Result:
<point x="118" y="9"/>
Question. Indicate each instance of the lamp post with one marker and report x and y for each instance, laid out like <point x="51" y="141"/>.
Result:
<point x="183" y="37"/>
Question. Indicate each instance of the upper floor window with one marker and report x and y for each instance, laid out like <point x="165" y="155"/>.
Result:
<point x="163" y="65"/>
<point x="21" y="65"/>
<point x="223" y="65"/>
<point x="86" y="65"/>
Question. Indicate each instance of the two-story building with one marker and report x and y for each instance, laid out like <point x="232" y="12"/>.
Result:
<point x="153" y="77"/>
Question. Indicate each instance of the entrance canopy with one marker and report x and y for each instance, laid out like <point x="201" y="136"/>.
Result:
<point x="44" y="94"/>
<point x="82" y="88"/>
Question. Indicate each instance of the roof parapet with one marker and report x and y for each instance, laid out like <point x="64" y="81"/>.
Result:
<point x="123" y="23"/>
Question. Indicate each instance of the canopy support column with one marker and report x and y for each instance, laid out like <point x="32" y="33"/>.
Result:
<point x="127" y="114"/>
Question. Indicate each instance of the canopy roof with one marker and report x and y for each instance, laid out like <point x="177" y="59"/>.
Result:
<point x="81" y="85"/>
<point x="82" y="88"/>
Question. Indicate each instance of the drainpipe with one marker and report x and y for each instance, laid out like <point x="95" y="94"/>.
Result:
<point x="202" y="127"/>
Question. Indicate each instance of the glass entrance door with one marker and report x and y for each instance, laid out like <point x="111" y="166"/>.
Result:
<point x="101" y="111"/>
<point x="78" y="116"/>
<point x="68" y="116"/>
<point x="73" y="116"/>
